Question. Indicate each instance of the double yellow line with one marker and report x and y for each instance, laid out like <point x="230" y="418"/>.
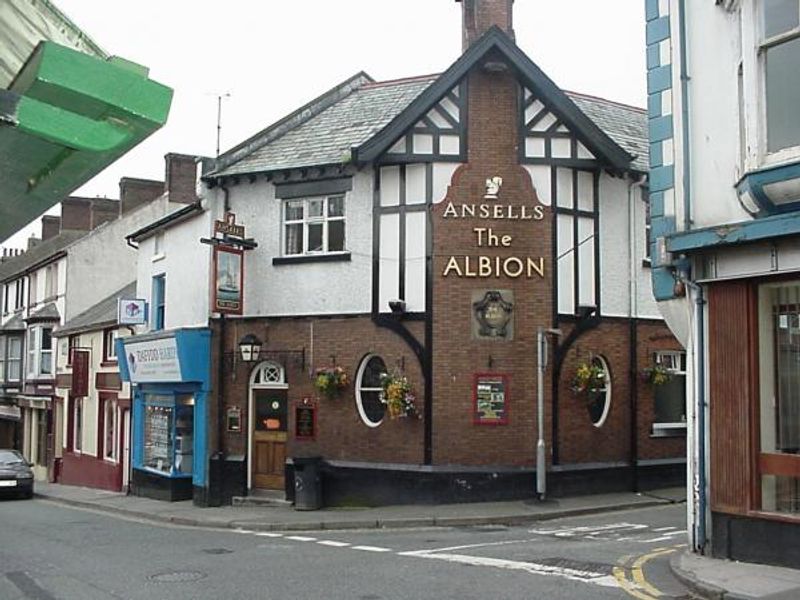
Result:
<point x="629" y="574"/>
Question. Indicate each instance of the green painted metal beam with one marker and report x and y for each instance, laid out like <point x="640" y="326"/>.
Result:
<point x="65" y="117"/>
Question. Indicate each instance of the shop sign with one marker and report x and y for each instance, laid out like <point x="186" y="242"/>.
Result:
<point x="153" y="360"/>
<point x="491" y="397"/>
<point x="228" y="280"/>
<point x="14" y="413"/>
<point x="493" y="238"/>
<point x="80" y="373"/>
<point x="131" y="311"/>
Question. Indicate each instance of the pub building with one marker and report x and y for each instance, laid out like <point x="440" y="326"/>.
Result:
<point x="416" y="242"/>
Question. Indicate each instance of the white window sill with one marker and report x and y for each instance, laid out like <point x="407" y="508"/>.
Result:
<point x="158" y="257"/>
<point x="785" y="156"/>
<point x="668" y="430"/>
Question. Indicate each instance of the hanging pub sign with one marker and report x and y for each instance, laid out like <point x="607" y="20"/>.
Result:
<point x="229" y="227"/>
<point x="490" y="396"/>
<point x="80" y="373"/>
<point x="228" y="280"/>
<point x="305" y="420"/>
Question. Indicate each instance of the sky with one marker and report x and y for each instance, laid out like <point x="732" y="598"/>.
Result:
<point x="268" y="57"/>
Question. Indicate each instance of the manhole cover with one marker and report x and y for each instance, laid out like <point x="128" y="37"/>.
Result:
<point x="177" y="576"/>
<point x="576" y="565"/>
<point x="217" y="551"/>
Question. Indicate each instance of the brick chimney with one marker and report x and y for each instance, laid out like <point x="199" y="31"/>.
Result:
<point x="181" y="176"/>
<point x="76" y="213"/>
<point x="478" y="16"/>
<point x="103" y="210"/>
<point x="51" y="226"/>
<point x="135" y="192"/>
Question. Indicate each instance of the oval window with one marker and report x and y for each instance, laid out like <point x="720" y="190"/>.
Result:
<point x="369" y="390"/>
<point x="600" y="399"/>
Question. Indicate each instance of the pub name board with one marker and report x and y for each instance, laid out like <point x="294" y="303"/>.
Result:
<point x="491" y="236"/>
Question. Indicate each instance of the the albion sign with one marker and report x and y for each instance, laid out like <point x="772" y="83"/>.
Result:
<point x="483" y="266"/>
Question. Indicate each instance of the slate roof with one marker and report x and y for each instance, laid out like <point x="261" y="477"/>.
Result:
<point x="99" y="315"/>
<point x="326" y="139"/>
<point x="626" y="125"/>
<point x="39" y="253"/>
<point x="362" y="115"/>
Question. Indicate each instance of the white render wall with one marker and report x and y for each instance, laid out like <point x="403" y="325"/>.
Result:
<point x="102" y="262"/>
<point x="309" y="288"/>
<point x="619" y="258"/>
<point x="187" y="265"/>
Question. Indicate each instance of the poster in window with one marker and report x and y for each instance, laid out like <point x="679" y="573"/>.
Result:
<point x="228" y="280"/>
<point x="305" y="420"/>
<point x="491" y="399"/>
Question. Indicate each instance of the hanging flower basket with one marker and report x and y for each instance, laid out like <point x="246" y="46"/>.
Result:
<point x="398" y="396"/>
<point x="589" y="378"/>
<point x="330" y="381"/>
<point x="656" y="375"/>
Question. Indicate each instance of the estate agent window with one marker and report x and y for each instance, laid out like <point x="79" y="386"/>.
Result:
<point x="780" y="50"/>
<point x="779" y="409"/>
<point x="314" y="225"/>
<point x="169" y="433"/>
<point x="369" y="391"/>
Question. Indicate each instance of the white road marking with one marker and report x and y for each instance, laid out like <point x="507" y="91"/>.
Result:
<point x="584" y="530"/>
<point x="301" y="538"/>
<point x="268" y="534"/>
<point x="664" y="528"/>
<point x="371" y="548"/>
<point x="602" y="579"/>
<point x="333" y="543"/>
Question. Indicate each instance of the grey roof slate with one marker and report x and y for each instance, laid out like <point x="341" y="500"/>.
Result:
<point x="626" y="125"/>
<point x="327" y="138"/>
<point x="102" y="313"/>
<point x="39" y="253"/>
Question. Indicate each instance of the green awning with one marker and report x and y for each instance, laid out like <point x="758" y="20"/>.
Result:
<point x="65" y="117"/>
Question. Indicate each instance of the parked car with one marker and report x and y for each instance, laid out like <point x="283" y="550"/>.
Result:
<point x="16" y="476"/>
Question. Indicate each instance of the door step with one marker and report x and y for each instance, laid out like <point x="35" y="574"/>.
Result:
<point x="262" y="498"/>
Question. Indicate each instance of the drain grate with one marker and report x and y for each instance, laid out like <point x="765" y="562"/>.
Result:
<point x="576" y="565"/>
<point x="178" y="576"/>
<point x="217" y="551"/>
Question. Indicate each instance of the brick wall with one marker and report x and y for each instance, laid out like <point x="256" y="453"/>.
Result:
<point x="341" y="435"/>
<point x="135" y="192"/>
<point x="181" y="177"/>
<point x="76" y="213"/>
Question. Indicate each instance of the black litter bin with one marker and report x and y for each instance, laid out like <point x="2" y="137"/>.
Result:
<point x="307" y="483"/>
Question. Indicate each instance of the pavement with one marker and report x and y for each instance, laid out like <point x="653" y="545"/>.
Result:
<point x="707" y="577"/>
<point x="716" y="579"/>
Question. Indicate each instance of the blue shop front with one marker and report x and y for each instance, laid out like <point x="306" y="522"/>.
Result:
<point x="170" y="373"/>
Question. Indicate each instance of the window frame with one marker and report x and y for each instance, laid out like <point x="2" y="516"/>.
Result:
<point x="18" y="360"/>
<point x="77" y="425"/>
<point x="307" y="221"/>
<point x="3" y="348"/>
<point x="159" y="300"/>
<point x="667" y="428"/>
<point x="358" y="388"/>
<point x="763" y="45"/>
<point x="109" y="402"/>
<point x="606" y="390"/>
<point x="36" y="351"/>
<point x="109" y="346"/>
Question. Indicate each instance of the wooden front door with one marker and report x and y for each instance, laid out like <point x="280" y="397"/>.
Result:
<point x="269" y="438"/>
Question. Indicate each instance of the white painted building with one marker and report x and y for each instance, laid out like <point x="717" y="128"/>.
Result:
<point x="724" y="87"/>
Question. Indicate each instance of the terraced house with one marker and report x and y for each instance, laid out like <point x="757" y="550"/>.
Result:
<point x="383" y="269"/>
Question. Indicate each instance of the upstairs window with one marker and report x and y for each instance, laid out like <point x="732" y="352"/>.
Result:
<point x="32" y="289"/>
<point x="19" y="300"/>
<point x="314" y="226"/>
<point x="51" y="281"/>
<point x="158" y="302"/>
<point x="40" y="351"/>
<point x="670" y="397"/>
<point x="110" y="345"/>
<point x="780" y="48"/>
<point x="14" y="359"/>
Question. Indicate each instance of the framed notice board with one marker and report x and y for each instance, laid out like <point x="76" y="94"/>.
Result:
<point x="305" y="421"/>
<point x="490" y="397"/>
